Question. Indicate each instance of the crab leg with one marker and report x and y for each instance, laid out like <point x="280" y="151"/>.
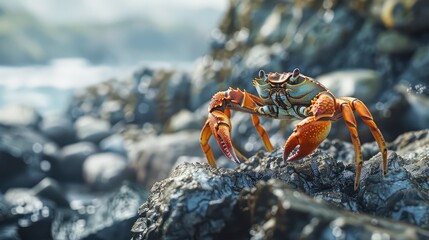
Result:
<point x="350" y="120"/>
<point x="366" y="117"/>
<point x="262" y="133"/>
<point x="206" y="133"/>
<point x="311" y="131"/>
<point x="218" y="123"/>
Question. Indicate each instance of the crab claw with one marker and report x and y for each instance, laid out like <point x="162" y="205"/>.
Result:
<point x="308" y="134"/>
<point x="220" y="126"/>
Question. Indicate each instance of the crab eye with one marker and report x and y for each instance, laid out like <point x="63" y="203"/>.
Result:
<point x="261" y="74"/>
<point x="295" y="72"/>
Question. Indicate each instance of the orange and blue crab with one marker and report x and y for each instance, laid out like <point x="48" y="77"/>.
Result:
<point x="289" y="95"/>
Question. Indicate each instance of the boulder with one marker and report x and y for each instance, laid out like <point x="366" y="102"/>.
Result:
<point x="110" y="219"/>
<point x="105" y="171"/>
<point x="58" y="129"/>
<point x="152" y="158"/>
<point x="92" y="129"/>
<point x="267" y="198"/>
<point x="69" y="166"/>
<point x="19" y="116"/>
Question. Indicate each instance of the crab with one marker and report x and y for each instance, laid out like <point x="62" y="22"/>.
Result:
<point x="289" y="95"/>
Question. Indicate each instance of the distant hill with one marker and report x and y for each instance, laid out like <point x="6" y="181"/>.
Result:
<point x="26" y="39"/>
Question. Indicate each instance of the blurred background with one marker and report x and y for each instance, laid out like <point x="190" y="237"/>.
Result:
<point x="99" y="100"/>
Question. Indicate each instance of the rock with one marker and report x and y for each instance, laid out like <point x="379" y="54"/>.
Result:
<point x="403" y="15"/>
<point x="34" y="215"/>
<point x="153" y="157"/>
<point x="19" y="116"/>
<point x="50" y="189"/>
<point x="92" y="129"/>
<point x="5" y="210"/>
<point x="69" y="166"/>
<point x="105" y="171"/>
<point x="364" y="84"/>
<point x="110" y="220"/>
<point x="416" y="75"/>
<point x="275" y="211"/>
<point x="112" y="110"/>
<point x="58" y="129"/>
<point x="392" y="42"/>
<point x="25" y="157"/>
<point x="196" y="189"/>
<point x="115" y="144"/>
<point x="183" y="120"/>
<point x="9" y="232"/>
<point x="198" y="201"/>
<point x="160" y="95"/>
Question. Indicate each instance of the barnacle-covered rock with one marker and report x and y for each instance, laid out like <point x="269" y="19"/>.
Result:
<point x="307" y="198"/>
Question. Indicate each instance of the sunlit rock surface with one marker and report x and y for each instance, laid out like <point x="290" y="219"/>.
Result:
<point x="312" y="197"/>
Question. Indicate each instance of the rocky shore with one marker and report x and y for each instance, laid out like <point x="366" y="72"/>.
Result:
<point x="125" y="162"/>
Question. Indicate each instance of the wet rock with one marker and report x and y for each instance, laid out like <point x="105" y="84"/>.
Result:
<point x="9" y="232"/>
<point x="392" y="42"/>
<point x="24" y="156"/>
<point x="207" y="194"/>
<point x="403" y="15"/>
<point x="50" y="189"/>
<point x="19" y="116"/>
<point x="160" y="95"/>
<point x="69" y="166"/>
<point x="153" y="157"/>
<point x="111" y="219"/>
<point x="105" y="171"/>
<point x="34" y="215"/>
<point x="416" y="75"/>
<point x="183" y="120"/>
<point x="115" y="144"/>
<point x="181" y="205"/>
<point x="112" y="110"/>
<point x="58" y="129"/>
<point x="92" y="129"/>
<point x="277" y="212"/>
<point x="359" y="83"/>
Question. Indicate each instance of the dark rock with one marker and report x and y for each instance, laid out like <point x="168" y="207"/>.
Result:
<point x="393" y="42"/>
<point x="406" y="16"/>
<point x="58" y="129"/>
<point x="92" y="129"/>
<point x="50" y="189"/>
<point x="206" y="193"/>
<point x="111" y="219"/>
<point x="9" y="232"/>
<point x="364" y="84"/>
<point x="69" y="166"/>
<point x="115" y="144"/>
<point x="198" y="201"/>
<point x="34" y="215"/>
<point x="105" y="171"/>
<point x="152" y="157"/>
<point x="5" y="210"/>
<point x="25" y="157"/>
<point x="275" y="211"/>
<point x="160" y="95"/>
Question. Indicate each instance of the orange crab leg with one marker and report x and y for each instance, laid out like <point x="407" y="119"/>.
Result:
<point x="366" y="117"/>
<point x="350" y="120"/>
<point x="218" y="123"/>
<point x="311" y="131"/>
<point x="206" y="133"/>
<point x="262" y="133"/>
